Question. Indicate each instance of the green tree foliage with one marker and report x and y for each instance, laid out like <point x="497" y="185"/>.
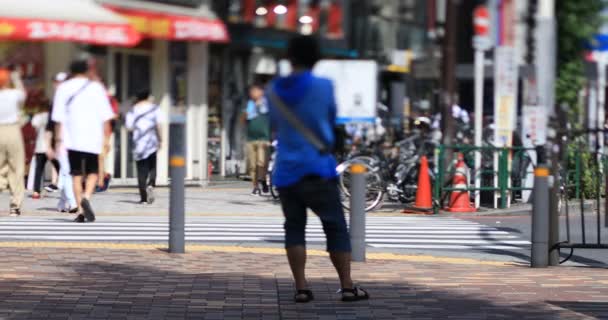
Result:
<point x="577" y="22"/>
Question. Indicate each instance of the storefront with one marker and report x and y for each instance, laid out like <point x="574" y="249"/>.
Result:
<point x="161" y="46"/>
<point x="260" y="30"/>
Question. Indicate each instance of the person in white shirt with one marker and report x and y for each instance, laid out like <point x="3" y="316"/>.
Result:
<point x="82" y="112"/>
<point x="144" y="121"/>
<point x="12" y="151"/>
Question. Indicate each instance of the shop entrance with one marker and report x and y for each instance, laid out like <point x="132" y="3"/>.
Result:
<point x="131" y="73"/>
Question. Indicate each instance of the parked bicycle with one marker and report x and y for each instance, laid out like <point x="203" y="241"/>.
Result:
<point x="392" y="174"/>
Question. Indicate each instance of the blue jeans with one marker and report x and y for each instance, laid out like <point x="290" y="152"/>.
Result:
<point x="323" y="198"/>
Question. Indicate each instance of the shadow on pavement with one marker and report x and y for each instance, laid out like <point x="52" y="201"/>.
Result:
<point x="597" y="310"/>
<point x="524" y="255"/>
<point x="104" y="290"/>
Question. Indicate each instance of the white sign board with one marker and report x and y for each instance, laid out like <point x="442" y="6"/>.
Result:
<point x="505" y="95"/>
<point x="534" y="126"/>
<point x="355" y="87"/>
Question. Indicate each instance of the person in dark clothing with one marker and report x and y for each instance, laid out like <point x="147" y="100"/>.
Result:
<point x="145" y="120"/>
<point x="306" y="177"/>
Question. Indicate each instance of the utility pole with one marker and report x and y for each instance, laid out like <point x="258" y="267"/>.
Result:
<point x="449" y="75"/>
<point x="545" y="71"/>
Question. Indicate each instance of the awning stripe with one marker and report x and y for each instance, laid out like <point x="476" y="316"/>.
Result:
<point x="174" y="27"/>
<point x="43" y="29"/>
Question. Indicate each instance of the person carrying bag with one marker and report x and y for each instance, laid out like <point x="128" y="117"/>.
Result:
<point x="303" y="112"/>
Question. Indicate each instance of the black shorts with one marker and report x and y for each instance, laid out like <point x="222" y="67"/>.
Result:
<point x="83" y="163"/>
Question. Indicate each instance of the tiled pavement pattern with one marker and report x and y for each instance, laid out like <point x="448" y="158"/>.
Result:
<point x="59" y="283"/>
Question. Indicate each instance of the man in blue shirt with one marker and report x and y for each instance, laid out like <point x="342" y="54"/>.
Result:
<point x="305" y="177"/>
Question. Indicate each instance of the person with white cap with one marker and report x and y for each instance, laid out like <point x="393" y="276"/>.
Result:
<point x="67" y="200"/>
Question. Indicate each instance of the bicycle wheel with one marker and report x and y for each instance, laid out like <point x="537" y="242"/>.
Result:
<point x="274" y="192"/>
<point x="343" y="171"/>
<point x="374" y="194"/>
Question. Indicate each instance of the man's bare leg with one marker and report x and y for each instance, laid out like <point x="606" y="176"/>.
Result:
<point x="78" y="190"/>
<point x="90" y="185"/>
<point x="297" y="262"/>
<point x="341" y="261"/>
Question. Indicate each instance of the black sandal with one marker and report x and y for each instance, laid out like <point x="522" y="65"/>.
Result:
<point x="354" y="294"/>
<point x="308" y="297"/>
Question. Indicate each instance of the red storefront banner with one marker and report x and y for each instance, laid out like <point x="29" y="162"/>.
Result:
<point x="93" y="33"/>
<point x="174" y="27"/>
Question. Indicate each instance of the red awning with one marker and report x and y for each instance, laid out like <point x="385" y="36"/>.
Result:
<point x="65" y="20"/>
<point x="174" y="27"/>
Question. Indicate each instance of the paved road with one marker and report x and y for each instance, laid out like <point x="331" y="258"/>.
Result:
<point x="399" y="233"/>
<point x="522" y="226"/>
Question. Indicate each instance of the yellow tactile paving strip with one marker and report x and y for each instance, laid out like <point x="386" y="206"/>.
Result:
<point x="256" y="250"/>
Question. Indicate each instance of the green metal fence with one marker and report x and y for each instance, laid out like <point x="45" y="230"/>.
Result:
<point x="507" y="160"/>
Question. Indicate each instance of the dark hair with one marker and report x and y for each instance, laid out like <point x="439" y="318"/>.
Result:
<point x="304" y="51"/>
<point x="142" y="95"/>
<point x="257" y="85"/>
<point x="79" y="67"/>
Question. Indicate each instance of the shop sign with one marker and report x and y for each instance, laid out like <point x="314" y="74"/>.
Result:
<point x="95" y="33"/>
<point x="355" y="88"/>
<point x="174" y="27"/>
<point x="505" y="95"/>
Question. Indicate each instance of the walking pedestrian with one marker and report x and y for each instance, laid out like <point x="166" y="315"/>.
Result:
<point x="67" y="200"/>
<point x="305" y="174"/>
<point x="258" y="138"/>
<point x="39" y="122"/>
<point x="12" y="152"/>
<point x="82" y="112"/>
<point x="145" y="120"/>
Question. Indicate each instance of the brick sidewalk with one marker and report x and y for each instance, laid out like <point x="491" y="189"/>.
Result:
<point x="97" y="283"/>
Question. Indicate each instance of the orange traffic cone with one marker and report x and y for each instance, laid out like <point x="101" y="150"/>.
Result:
<point x="460" y="200"/>
<point x="424" y="201"/>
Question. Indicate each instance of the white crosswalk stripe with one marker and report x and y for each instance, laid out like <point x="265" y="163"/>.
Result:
<point x="438" y="233"/>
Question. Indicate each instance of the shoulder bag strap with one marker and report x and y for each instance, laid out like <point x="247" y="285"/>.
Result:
<point x="79" y="91"/>
<point x="293" y="120"/>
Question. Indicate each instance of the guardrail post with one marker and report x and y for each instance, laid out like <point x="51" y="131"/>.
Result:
<point x="577" y="172"/>
<point x="357" y="211"/>
<point x="540" y="218"/>
<point x="439" y="181"/>
<point x="177" y="162"/>
<point x="503" y="175"/>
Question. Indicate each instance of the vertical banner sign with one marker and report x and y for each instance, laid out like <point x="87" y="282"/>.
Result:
<point x="505" y="95"/>
<point x="505" y="76"/>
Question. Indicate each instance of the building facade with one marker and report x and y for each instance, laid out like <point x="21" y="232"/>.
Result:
<point x="171" y="58"/>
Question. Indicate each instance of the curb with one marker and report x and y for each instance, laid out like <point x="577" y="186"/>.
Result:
<point x="253" y="250"/>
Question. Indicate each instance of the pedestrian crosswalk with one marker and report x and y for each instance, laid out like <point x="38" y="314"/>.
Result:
<point x="434" y="233"/>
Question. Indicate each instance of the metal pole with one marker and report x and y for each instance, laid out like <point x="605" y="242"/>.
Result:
<point x="357" y="211"/>
<point x="479" y="80"/>
<point x="545" y="64"/>
<point x="448" y="124"/>
<point x="540" y="217"/>
<point x="177" y="174"/>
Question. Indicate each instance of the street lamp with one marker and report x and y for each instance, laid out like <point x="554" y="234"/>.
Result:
<point x="261" y="11"/>
<point x="280" y="9"/>
<point x="306" y="20"/>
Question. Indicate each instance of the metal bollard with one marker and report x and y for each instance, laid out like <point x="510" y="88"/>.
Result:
<point x="357" y="211"/>
<point x="540" y="218"/>
<point x="177" y="174"/>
